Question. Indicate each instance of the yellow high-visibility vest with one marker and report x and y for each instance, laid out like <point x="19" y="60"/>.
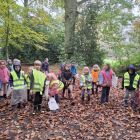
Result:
<point x="18" y="83"/>
<point x="60" y="84"/>
<point x="127" y="80"/>
<point x="83" y="80"/>
<point x="39" y="80"/>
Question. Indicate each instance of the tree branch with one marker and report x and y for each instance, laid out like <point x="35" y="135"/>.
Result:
<point x="81" y="2"/>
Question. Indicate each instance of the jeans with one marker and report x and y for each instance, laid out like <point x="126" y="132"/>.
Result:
<point x="105" y="94"/>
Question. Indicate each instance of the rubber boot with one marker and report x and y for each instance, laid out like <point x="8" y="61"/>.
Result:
<point x="19" y="105"/>
<point x="88" y="97"/>
<point x="4" y="96"/>
<point x="96" y="91"/>
<point x="82" y="98"/>
<point x="133" y="105"/>
<point x="39" y="108"/>
<point x="125" y="103"/>
<point x="35" y="109"/>
<point x="92" y="90"/>
<point x="69" y="94"/>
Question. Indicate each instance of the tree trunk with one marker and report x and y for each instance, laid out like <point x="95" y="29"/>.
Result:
<point x="26" y="11"/>
<point x="70" y="20"/>
<point x="7" y="30"/>
<point x="26" y="3"/>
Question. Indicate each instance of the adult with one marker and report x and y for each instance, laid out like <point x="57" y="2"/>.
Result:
<point x="45" y="66"/>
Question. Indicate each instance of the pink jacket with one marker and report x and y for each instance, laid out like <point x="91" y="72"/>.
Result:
<point x="4" y="75"/>
<point x="107" y="78"/>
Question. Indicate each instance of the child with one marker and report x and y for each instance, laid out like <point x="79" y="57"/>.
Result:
<point x="17" y="84"/>
<point x="37" y="79"/>
<point x="95" y="76"/>
<point x="105" y="80"/>
<point x="86" y="83"/>
<point x="55" y="86"/>
<point x="131" y="85"/>
<point x="67" y="80"/>
<point x="4" y="77"/>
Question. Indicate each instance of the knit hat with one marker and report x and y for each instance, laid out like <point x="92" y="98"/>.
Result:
<point x="16" y="60"/>
<point x="17" y="63"/>
<point x="131" y="67"/>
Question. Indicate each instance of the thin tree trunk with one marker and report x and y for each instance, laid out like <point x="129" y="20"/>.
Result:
<point x="26" y="11"/>
<point x="70" y="20"/>
<point x="7" y="31"/>
<point x="26" y="2"/>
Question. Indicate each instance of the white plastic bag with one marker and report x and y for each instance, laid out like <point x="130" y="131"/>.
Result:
<point x="114" y="81"/>
<point x="52" y="104"/>
<point x="46" y="95"/>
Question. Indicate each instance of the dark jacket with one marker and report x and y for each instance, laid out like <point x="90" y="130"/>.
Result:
<point x="45" y="67"/>
<point x="67" y="75"/>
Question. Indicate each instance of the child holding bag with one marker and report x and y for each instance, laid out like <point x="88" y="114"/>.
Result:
<point x="55" y="86"/>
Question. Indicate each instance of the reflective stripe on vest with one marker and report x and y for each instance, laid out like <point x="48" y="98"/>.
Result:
<point x="107" y="78"/>
<point x="18" y="83"/>
<point x="60" y="84"/>
<point x="127" y="80"/>
<point x="87" y="85"/>
<point x="39" y="79"/>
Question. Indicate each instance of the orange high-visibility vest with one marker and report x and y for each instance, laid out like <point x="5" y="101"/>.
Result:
<point x="95" y="75"/>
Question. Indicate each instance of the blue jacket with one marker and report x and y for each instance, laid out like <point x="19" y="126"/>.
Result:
<point x="73" y="70"/>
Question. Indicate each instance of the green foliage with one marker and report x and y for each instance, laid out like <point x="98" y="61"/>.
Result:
<point x="33" y="33"/>
<point x="86" y="45"/>
<point x="16" y="32"/>
<point x="29" y="32"/>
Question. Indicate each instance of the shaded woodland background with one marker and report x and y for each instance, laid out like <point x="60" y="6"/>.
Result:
<point x="83" y="32"/>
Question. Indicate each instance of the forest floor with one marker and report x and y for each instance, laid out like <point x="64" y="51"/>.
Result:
<point x="74" y="121"/>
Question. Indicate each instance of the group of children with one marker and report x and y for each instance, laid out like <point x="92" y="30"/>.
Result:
<point x="32" y="85"/>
